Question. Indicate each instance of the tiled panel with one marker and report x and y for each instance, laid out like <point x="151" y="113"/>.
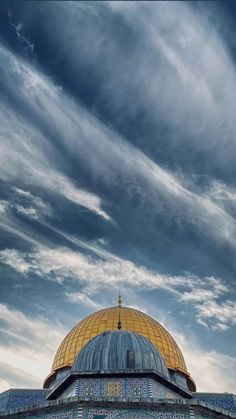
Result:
<point x="225" y="401"/>
<point x="123" y="387"/>
<point x="109" y="413"/>
<point x="14" y="398"/>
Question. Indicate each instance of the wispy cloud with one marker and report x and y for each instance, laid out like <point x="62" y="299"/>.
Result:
<point x="16" y="378"/>
<point x="220" y="192"/>
<point x="35" y="201"/>
<point x="95" y="273"/>
<point x="221" y="314"/>
<point x="26" y="157"/>
<point x="23" y="40"/>
<point x="15" y="259"/>
<point x="36" y="340"/>
<point x="3" y="206"/>
<point x="177" y="77"/>
<point x="212" y="371"/>
<point x="109" y="160"/>
<point x="82" y="298"/>
<point x="182" y="76"/>
<point x="57" y="182"/>
<point x="24" y="203"/>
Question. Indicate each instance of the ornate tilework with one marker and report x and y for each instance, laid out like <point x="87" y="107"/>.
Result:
<point x="122" y="411"/>
<point x="123" y="387"/>
<point x="86" y="386"/>
<point x="113" y="389"/>
<point x="15" y="398"/>
<point x="60" y="415"/>
<point x="161" y="392"/>
<point x="132" y="414"/>
<point x="223" y="400"/>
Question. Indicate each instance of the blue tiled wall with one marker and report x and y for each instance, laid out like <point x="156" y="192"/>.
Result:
<point x="91" y="412"/>
<point x="14" y="398"/>
<point x="225" y="401"/>
<point x="118" y="387"/>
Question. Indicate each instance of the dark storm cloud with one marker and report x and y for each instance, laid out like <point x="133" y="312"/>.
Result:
<point x="117" y="165"/>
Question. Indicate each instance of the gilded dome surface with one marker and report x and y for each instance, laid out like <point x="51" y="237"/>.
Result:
<point x="132" y="320"/>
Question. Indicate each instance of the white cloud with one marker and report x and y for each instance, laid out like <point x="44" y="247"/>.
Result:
<point x="211" y="311"/>
<point x="15" y="259"/>
<point x="81" y="298"/>
<point x="89" y="140"/>
<point x="27" y="211"/>
<point x="95" y="273"/>
<point x="37" y="204"/>
<point x="3" y="206"/>
<point x="200" y="294"/>
<point x="182" y="77"/>
<point x="16" y="378"/>
<point x="25" y="152"/>
<point x="33" y="207"/>
<point x="211" y="370"/>
<point x="28" y="342"/>
<point x="4" y="385"/>
<point x="58" y="182"/>
<point x="22" y="192"/>
<point x="219" y="191"/>
<point x="223" y="313"/>
<point x="23" y="40"/>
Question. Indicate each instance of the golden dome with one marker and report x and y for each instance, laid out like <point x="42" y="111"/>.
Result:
<point x="131" y="320"/>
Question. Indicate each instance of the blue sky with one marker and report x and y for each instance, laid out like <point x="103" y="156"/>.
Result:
<point x="117" y="171"/>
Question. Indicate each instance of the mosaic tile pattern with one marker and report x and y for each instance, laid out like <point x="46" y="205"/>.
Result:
<point x="14" y="398"/>
<point x="168" y="411"/>
<point x="119" y="387"/>
<point x="160" y="392"/>
<point x="87" y="386"/>
<point x="60" y="415"/>
<point x="132" y="414"/>
<point x="225" y="401"/>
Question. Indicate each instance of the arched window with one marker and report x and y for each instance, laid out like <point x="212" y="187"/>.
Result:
<point x="130" y="359"/>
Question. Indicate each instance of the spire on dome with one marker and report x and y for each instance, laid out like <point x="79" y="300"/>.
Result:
<point x="119" y="323"/>
<point x="119" y="300"/>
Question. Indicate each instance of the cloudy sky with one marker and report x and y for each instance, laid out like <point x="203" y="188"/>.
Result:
<point x="117" y="171"/>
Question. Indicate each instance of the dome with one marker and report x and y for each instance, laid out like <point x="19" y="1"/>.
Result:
<point x="117" y="351"/>
<point x="132" y="320"/>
